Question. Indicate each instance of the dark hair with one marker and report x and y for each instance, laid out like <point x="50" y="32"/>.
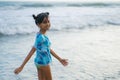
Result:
<point x="40" y="17"/>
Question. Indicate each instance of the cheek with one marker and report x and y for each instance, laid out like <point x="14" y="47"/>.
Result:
<point x="42" y="25"/>
<point x="49" y="24"/>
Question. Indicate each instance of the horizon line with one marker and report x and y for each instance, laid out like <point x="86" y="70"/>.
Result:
<point x="58" y="1"/>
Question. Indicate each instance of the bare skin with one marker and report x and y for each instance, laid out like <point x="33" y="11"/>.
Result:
<point x="44" y="72"/>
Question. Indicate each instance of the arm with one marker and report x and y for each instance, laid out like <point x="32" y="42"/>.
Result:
<point x="55" y="55"/>
<point x="19" y="69"/>
<point x="63" y="61"/>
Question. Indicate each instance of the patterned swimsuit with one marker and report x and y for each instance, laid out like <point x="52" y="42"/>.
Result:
<point x="42" y="45"/>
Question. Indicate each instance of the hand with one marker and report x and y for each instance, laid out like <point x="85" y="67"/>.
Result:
<point x="18" y="70"/>
<point x="64" y="62"/>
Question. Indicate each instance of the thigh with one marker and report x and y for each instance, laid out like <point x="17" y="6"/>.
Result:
<point x="41" y="75"/>
<point x="47" y="72"/>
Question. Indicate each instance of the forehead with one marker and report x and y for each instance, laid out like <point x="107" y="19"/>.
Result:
<point x="46" y="19"/>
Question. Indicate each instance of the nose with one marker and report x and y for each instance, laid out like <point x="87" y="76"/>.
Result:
<point x="48" y="24"/>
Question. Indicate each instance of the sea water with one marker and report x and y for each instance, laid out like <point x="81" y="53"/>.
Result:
<point x="87" y="34"/>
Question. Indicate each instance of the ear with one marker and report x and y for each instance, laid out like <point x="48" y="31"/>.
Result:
<point x="39" y="25"/>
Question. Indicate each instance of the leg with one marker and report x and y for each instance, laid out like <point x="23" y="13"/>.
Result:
<point x="46" y="72"/>
<point x="41" y="75"/>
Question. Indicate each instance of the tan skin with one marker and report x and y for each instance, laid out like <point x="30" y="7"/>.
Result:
<point x="44" y="72"/>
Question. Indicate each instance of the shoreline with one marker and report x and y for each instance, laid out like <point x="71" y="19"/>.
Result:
<point x="92" y="54"/>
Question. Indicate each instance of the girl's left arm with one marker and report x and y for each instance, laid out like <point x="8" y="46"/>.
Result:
<point x="62" y="61"/>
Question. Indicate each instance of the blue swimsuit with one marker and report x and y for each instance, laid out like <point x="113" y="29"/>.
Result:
<point x="42" y="45"/>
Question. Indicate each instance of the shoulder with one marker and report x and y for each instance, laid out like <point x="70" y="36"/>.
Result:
<point x="39" y="37"/>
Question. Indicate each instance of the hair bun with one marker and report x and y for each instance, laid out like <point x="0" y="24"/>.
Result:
<point x="34" y="17"/>
<point x="47" y="13"/>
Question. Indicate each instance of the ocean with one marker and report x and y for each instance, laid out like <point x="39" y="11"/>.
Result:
<point x="87" y="34"/>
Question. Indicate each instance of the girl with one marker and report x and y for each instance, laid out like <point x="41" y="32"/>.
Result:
<point x="43" y="50"/>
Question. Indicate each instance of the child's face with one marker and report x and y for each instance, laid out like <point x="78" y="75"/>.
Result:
<point x="45" y="25"/>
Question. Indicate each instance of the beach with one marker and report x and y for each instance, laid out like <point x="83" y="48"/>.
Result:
<point x="93" y="57"/>
<point x="89" y="40"/>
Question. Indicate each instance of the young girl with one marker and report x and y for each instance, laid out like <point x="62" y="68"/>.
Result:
<point x="42" y="48"/>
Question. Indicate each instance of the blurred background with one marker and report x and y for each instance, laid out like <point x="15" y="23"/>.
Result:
<point x="88" y="30"/>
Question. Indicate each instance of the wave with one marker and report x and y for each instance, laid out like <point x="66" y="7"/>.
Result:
<point x="22" y="5"/>
<point x="94" y="4"/>
<point x="113" y="23"/>
<point x="55" y="4"/>
<point x="37" y="5"/>
<point x="16" y="31"/>
<point x="87" y="18"/>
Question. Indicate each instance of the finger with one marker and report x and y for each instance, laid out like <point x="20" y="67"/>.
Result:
<point x="66" y="59"/>
<point x="65" y="63"/>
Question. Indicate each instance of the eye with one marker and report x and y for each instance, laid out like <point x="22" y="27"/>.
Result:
<point x="44" y="22"/>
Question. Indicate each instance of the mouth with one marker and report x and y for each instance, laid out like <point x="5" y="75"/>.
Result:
<point x="47" y="27"/>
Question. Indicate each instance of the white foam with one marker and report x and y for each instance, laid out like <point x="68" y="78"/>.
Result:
<point x="20" y="21"/>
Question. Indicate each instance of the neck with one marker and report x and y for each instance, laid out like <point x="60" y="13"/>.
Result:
<point x="42" y="31"/>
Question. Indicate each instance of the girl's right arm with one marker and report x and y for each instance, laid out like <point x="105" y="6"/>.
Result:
<point x="19" y="69"/>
